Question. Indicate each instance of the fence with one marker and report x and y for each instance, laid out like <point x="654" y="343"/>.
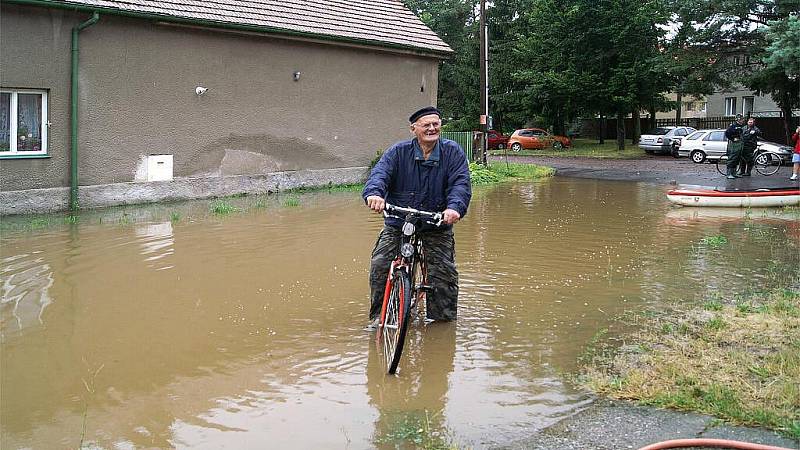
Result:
<point x="771" y="127"/>
<point x="464" y="139"/>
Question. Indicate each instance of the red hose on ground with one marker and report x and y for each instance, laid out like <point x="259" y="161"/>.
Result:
<point x="720" y="443"/>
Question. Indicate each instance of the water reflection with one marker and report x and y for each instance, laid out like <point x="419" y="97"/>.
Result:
<point x="415" y="399"/>
<point x="27" y="279"/>
<point x="157" y="243"/>
<point x="252" y="336"/>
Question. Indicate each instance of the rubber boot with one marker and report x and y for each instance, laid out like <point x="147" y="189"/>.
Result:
<point x="730" y="175"/>
<point x="748" y="169"/>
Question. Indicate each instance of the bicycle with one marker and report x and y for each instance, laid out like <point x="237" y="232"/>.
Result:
<point x="766" y="162"/>
<point x="406" y="284"/>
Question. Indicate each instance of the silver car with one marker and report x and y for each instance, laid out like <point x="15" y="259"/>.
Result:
<point x="663" y="139"/>
<point x="709" y="145"/>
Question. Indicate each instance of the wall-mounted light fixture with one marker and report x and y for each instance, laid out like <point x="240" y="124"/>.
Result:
<point x="296" y="76"/>
<point x="200" y="90"/>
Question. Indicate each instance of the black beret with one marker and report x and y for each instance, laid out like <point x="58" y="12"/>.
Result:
<point x="424" y="112"/>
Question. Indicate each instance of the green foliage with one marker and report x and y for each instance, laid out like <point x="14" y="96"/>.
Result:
<point x="291" y="201"/>
<point x="481" y="174"/>
<point x="712" y="305"/>
<point x="560" y="59"/>
<point x="174" y="216"/>
<point x="714" y="241"/>
<point x="417" y="429"/>
<point x="783" y="46"/>
<point x="221" y="207"/>
<point x="39" y="223"/>
<point x="497" y="172"/>
<point x="375" y="160"/>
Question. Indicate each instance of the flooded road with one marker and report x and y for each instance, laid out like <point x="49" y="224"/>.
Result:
<point x="169" y="326"/>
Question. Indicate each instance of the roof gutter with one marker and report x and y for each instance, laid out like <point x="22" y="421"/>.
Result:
<point x="73" y="160"/>
<point x="442" y="54"/>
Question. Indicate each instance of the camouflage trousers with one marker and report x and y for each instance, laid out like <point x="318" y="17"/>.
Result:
<point x="439" y="248"/>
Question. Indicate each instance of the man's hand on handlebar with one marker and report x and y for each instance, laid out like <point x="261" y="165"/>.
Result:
<point x="376" y="203"/>
<point x="450" y="216"/>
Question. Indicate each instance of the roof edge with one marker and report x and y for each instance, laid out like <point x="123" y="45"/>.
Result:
<point x="263" y="30"/>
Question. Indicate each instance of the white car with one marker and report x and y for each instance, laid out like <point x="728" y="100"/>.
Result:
<point x="710" y="145"/>
<point x="663" y="139"/>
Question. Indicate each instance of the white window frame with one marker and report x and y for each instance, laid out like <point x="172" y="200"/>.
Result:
<point x="14" y="114"/>
<point x="730" y="106"/>
<point x="752" y="101"/>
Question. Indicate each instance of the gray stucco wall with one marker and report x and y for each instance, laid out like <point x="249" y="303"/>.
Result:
<point x="137" y="97"/>
<point x="761" y="103"/>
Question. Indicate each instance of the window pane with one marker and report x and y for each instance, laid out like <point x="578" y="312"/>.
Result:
<point x="5" y="122"/>
<point x="29" y="122"/>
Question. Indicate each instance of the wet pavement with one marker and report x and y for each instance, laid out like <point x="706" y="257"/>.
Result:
<point x="661" y="170"/>
<point x="613" y="425"/>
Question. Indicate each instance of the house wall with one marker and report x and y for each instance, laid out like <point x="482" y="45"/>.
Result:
<point x="137" y="97"/>
<point x="697" y="102"/>
<point x="761" y="104"/>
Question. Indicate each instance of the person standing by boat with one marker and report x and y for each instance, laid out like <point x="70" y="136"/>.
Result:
<point x="796" y="155"/>
<point x="750" y="135"/>
<point x="734" y="136"/>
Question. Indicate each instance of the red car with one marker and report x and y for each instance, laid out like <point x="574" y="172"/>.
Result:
<point x="537" y="138"/>
<point x="497" y="140"/>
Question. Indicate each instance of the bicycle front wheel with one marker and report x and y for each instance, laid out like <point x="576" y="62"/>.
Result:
<point x="767" y="163"/>
<point x="722" y="165"/>
<point x="421" y="287"/>
<point x="395" y="320"/>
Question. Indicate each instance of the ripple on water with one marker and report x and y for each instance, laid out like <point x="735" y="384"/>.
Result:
<point x="250" y="323"/>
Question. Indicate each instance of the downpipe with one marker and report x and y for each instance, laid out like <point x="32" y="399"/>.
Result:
<point x="73" y="178"/>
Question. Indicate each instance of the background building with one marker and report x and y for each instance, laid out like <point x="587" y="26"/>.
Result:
<point x="218" y="98"/>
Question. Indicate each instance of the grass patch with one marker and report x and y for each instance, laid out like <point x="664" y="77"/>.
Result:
<point x="330" y="187"/>
<point x="291" y="201"/>
<point x="587" y="148"/>
<point x="714" y="241"/>
<point x="221" y="207"/>
<point x="739" y="364"/>
<point x="174" y="216"/>
<point x="415" y="429"/>
<point x="500" y="171"/>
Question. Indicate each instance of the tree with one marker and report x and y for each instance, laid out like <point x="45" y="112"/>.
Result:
<point x="455" y="22"/>
<point x="721" y="34"/>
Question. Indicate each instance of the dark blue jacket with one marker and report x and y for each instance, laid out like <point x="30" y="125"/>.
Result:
<point x="404" y="178"/>
<point x="734" y="132"/>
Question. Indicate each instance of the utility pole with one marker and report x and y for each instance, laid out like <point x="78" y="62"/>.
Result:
<point x="484" y="119"/>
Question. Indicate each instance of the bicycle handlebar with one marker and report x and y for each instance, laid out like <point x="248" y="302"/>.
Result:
<point x="435" y="217"/>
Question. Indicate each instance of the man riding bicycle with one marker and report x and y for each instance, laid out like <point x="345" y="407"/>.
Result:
<point x="425" y="173"/>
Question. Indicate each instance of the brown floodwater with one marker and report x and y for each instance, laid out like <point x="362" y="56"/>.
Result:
<point x="168" y="326"/>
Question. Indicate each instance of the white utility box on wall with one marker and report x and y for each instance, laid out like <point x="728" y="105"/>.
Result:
<point x="159" y="167"/>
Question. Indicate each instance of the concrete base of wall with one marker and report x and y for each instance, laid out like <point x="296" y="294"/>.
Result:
<point x="99" y="196"/>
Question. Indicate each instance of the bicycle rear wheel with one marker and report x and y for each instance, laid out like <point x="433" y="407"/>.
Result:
<point x="767" y="163"/>
<point x="722" y="165"/>
<point x="392" y="333"/>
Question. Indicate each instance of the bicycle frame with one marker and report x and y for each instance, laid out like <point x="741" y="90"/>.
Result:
<point x="403" y="291"/>
<point x="406" y="261"/>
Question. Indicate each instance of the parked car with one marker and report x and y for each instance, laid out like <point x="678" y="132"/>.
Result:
<point x="497" y="140"/>
<point x="537" y="138"/>
<point x="710" y="145"/>
<point x="664" y="139"/>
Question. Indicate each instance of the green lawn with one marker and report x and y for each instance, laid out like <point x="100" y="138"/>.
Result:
<point x="585" y="148"/>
